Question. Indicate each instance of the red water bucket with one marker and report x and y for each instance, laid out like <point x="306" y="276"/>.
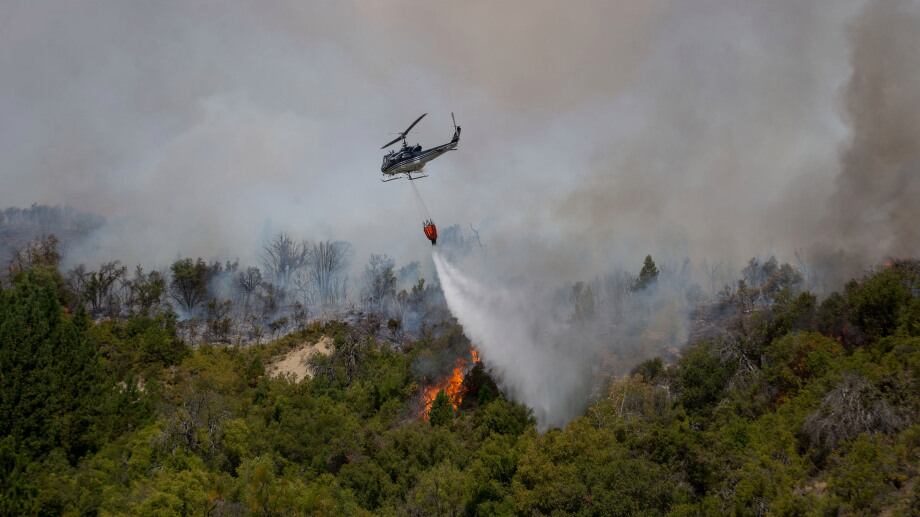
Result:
<point x="431" y="231"/>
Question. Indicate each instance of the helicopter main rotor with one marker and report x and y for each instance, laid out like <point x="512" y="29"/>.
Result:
<point x="402" y="136"/>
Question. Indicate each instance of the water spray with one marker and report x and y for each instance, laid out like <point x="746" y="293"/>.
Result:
<point x="525" y="349"/>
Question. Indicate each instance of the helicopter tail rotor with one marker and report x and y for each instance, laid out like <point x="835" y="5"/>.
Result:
<point x="456" y="139"/>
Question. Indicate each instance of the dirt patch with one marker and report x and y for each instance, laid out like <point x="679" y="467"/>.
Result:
<point x="294" y="363"/>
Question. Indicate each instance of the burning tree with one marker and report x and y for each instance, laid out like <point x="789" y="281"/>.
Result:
<point x="449" y="389"/>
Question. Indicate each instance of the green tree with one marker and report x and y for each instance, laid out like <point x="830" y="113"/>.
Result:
<point x="42" y="252"/>
<point x="701" y="378"/>
<point x="909" y="320"/>
<point x="648" y="275"/>
<point x="51" y="382"/>
<point x="17" y="491"/>
<point x="583" y="470"/>
<point x="140" y="345"/>
<point x="864" y="472"/>
<point x="441" y="491"/>
<point x="478" y="387"/>
<point x="190" y="279"/>
<point x="370" y="484"/>
<point x="442" y="412"/>
<point x="650" y="370"/>
<point x="146" y="291"/>
<point x="877" y="302"/>
<point x="503" y="417"/>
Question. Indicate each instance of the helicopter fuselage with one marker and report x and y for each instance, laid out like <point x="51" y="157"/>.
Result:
<point x="411" y="159"/>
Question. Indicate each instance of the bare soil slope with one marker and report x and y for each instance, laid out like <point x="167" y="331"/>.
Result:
<point x="294" y="363"/>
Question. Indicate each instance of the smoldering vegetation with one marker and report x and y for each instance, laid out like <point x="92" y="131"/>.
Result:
<point x="551" y="344"/>
<point x="20" y="226"/>
<point x="295" y="282"/>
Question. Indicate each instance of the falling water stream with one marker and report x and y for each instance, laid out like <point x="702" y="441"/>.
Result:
<point x="519" y="344"/>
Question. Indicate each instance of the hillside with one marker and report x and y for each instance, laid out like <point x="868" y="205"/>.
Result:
<point x="795" y="406"/>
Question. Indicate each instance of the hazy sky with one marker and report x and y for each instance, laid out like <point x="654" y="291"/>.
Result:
<point x="593" y="131"/>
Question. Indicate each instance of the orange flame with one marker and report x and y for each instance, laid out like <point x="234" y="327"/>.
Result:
<point x="451" y="385"/>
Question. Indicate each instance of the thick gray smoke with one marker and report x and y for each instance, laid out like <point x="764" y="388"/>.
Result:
<point x="877" y="201"/>
<point x="720" y="178"/>
<point x="797" y="136"/>
<point x="595" y="133"/>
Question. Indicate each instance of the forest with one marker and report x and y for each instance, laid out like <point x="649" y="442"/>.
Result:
<point x="160" y="393"/>
<point x="672" y="268"/>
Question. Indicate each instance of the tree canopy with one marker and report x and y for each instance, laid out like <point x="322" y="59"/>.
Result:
<point x="796" y="407"/>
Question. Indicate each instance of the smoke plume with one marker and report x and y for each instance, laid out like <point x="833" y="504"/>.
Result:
<point x="876" y="206"/>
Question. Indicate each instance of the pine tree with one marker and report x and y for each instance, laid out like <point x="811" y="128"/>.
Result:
<point x="50" y="387"/>
<point x="442" y="412"/>
<point x="648" y="275"/>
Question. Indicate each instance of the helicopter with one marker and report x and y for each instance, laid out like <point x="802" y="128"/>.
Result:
<point x="412" y="159"/>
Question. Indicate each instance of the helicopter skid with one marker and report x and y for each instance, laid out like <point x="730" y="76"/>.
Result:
<point x="407" y="175"/>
